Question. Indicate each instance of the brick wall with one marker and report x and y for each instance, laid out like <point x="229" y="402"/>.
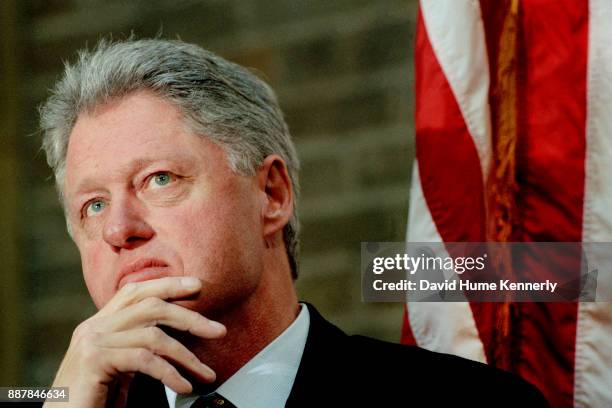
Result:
<point x="343" y="73"/>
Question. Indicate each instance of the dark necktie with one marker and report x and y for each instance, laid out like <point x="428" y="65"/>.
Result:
<point x="213" y="400"/>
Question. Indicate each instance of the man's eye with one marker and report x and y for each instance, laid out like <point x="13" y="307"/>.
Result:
<point x="160" y="179"/>
<point x="94" y="208"/>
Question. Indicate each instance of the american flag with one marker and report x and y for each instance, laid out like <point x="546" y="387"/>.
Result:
<point x="514" y="143"/>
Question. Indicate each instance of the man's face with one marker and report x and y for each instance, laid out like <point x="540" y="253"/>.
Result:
<point x="147" y="198"/>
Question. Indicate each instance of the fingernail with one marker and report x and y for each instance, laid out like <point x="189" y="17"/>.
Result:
<point x="187" y="385"/>
<point x="217" y="326"/>
<point x="190" y="282"/>
<point x="208" y="372"/>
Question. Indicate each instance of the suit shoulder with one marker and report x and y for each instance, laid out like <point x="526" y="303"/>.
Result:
<point x="437" y="373"/>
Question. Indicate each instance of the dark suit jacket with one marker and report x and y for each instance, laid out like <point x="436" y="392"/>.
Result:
<point x="338" y="370"/>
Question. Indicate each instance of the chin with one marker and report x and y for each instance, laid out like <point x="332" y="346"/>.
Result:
<point x="100" y="300"/>
<point x="215" y="305"/>
<point x="209" y="308"/>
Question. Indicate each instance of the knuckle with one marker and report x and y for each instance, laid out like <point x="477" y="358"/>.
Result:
<point x="83" y="331"/>
<point x="144" y="356"/>
<point x="169" y="371"/>
<point x="152" y="303"/>
<point x="90" y="337"/>
<point x="129" y="290"/>
<point x="193" y="359"/>
<point x="155" y="334"/>
<point x="91" y="355"/>
<point x="81" y="327"/>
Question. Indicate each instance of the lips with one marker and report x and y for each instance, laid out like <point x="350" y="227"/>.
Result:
<point x="142" y="270"/>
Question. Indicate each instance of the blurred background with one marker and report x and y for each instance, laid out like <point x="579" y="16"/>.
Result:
<point x="343" y="72"/>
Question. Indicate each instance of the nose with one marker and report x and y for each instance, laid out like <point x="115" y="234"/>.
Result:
<point x="125" y="226"/>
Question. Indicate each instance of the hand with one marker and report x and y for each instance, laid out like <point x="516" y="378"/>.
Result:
<point x="123" y="338"/>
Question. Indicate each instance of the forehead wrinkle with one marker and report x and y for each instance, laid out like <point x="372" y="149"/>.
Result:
<point x="113" y="160"/>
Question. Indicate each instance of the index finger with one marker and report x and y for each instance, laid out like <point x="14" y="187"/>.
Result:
<point x="172" y="287"/>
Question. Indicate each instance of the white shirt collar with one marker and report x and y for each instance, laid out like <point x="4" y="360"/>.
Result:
<point x="266" y="380"/>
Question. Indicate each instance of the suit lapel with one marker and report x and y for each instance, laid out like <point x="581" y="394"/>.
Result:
<point x="317" y="378"/>
<point x="146" y="392"/>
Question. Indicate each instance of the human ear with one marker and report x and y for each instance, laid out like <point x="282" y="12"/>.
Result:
<point x="275" y="183"/>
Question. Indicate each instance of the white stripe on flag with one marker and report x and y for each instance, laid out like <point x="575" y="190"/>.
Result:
<point x="456" y="33"/>
<point x="440" y="326"/>
<point x="593" y="374"/>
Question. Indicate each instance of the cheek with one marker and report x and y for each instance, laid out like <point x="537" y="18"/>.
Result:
<point x="214" y="237"/>
<point x="218" y="214"/>
<point x="218" y="230"/>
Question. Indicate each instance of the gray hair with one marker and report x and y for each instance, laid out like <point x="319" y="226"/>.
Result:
<point x="219" y="100"/>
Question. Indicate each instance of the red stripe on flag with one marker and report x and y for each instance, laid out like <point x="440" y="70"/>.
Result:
<point x="551" y="174"/>
<point x="449" y="166"/>
<point x="451" y="176"/>
<point x="552" y="146"/>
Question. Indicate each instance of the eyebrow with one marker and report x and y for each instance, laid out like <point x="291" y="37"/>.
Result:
<point x="134" y="167"/>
